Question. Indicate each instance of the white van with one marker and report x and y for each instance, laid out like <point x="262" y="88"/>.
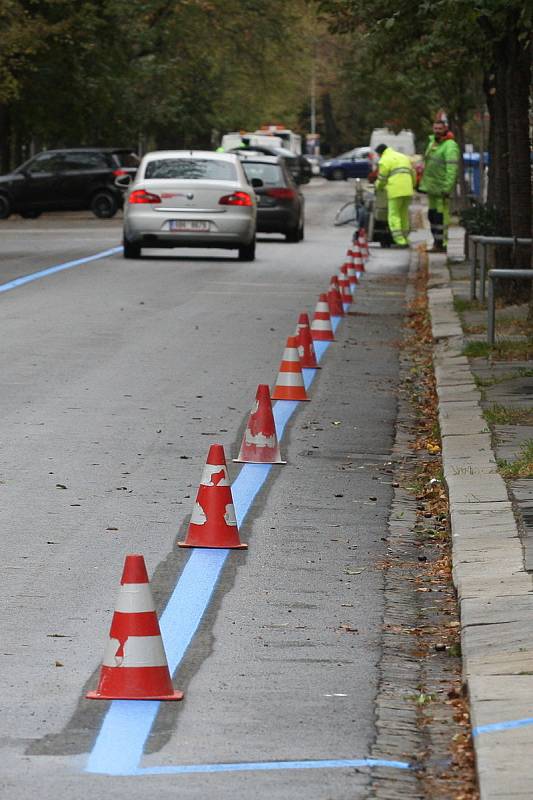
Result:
<point x="403" y="142"/>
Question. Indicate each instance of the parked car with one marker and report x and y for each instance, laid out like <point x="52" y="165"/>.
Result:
<point x="298" y="165"/>
<point x="190" y="198"/>
<point x="68" y="180"/>
<point x="280" y="205"/>
<point x="353" y="164"/>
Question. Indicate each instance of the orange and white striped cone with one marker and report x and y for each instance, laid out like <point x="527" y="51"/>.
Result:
<point x="290" y="383"/>
<point x="213" y="521"/>
<point x="135" y="665"/>
<point x="358" y="262"/>
<point x="346" y="295"/>
<point x="306" y="348"/>
<point x="334" y="298"/>
<point x="348" y="260"/>
<point x="260" y="441"/>
<point x="363" y="242"/>
<point x="343" y="275"/>
<point x="321" y="329"/>
<point x="351" y="274"/>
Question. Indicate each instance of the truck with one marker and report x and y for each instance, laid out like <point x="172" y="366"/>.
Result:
<point x="242" y="138"/>
<point x="290" y="140"/>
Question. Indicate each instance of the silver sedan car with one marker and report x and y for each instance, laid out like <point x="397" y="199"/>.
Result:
<point x="190" y="198"/>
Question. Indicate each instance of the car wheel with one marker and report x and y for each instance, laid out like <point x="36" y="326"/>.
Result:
<point x="30" y="214"/>
<point x="293" y="234"/>
<point x="247" y="251"/>
<point x="338" y="175"/>
<point x="104" y="205"/>
<point x="131" y="249"/>
<point x="5" y="206"/>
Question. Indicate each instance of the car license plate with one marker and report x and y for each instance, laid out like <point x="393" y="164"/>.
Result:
<point x="191" y="225"/>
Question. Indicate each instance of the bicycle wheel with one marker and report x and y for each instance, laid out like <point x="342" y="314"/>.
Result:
<point x="346" y="214"/>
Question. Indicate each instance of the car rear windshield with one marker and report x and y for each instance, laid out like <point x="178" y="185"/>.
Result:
<point x="190" y="169"/>
<point x="270" y="174"/>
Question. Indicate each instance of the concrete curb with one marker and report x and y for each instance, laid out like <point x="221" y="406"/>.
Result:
<point x="494" y="590"/>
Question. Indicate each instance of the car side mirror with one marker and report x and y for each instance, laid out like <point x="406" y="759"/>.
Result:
<point x="123" y="181"/>
<point x="257" y="183"/>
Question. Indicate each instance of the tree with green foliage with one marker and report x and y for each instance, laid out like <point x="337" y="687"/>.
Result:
<point x="166" y="73"/>
<point x="441" y="53"/>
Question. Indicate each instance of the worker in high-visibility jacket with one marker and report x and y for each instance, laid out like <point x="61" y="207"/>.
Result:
<point x="397" y="177"/>
<point x="441" y="168"/>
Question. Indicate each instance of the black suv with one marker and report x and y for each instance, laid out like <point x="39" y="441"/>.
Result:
<point x="68" y="180"/>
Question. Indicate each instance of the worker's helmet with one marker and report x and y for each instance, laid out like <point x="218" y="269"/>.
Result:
<point x="442" y="117"/>
<point x="381" y="149"/>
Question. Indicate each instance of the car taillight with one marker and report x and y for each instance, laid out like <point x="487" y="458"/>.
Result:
<point x="281" y="193"/>
<point x="236" y="199"/>
<point x="142" y="196"/>
<point x="118" y="172"/>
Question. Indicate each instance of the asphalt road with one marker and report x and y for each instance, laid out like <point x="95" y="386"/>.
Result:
<point x="116" y="377"/>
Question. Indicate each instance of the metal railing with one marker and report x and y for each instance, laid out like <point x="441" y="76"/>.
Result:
<point x="497" y="274"/>
<point x="485" y="242"/>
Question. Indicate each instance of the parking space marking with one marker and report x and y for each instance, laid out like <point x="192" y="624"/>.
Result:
<point x="43" y="273"/>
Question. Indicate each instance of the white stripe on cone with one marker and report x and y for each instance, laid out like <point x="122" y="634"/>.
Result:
<point x="135" y="598"/>
<point x="139" y="651"/>
<point x="290" y="354"/>
<point x="210" y="470"/>
<point x="290" y="379"/>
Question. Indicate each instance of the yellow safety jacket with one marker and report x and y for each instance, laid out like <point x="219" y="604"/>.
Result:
<point x="441" y="166"/>
<point x="395" y="174"/>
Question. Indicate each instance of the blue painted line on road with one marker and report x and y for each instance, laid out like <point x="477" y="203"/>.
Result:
<point x="43" y="273"/>
<point x="502" y="726"/>
<point x="119" y="746"/>
<point x="333" y="763"/>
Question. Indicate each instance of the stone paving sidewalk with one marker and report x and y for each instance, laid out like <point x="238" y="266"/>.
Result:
<point x="491" y="522"/>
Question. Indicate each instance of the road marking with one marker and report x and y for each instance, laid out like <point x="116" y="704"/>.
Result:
<point x="43" y="273"/>
<point x="502" y="726"/>
<point x="119" y="746"/>
<point x="334" y="763"/>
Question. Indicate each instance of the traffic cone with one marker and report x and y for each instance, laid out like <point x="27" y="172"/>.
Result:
<point x="343" y="275"/>
<point x="346" y="295"/>
<point x="358" y="262"/>
<point x="351" y="274"/>
<point x="363" y="243"/>
<point x="213" y="522"/>
<point x="306" y="348"/>
<point x="321" y="329"/>
<point x="348" y="259"/>
<point x="334" y="298"/>
<point x="290" y="383"/>
<point x="135" y="665"/>
<point x="260" y="441"/>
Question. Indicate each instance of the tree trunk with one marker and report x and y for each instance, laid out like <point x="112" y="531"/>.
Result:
<point x="5" y="139"/>
<point x="518" y="74"/>
<point x="518" y="82"/>
<point x="498" y="196"/>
